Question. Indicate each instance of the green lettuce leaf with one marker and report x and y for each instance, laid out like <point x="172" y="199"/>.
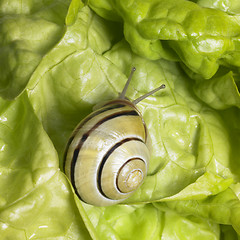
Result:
<point x="148" y="222"/>
<point x="33" y="189"/>
<point x="29" y="29"/>
<point x="203" y="39"/>
<point x="231" y="7"/>
<point x="192" y="190"/>
<point x="219" y="92"/>
<point x="58" y="94"/>
<point x="190" y="141"/>
<point x="223" y="208"/>
<point x="200" y="37"/>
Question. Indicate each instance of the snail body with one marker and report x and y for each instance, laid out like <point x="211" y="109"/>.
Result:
<point x="107" y="156"/>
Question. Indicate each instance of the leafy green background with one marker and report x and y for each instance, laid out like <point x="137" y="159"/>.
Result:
<point x="60" y="58"/>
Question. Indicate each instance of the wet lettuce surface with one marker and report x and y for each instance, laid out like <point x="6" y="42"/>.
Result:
<point x="60" y="58"/>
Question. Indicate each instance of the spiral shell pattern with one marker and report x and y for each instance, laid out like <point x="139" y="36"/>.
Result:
<point x="107" y="156"/>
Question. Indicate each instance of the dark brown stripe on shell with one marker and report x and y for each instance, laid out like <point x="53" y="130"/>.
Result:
<point x="92" y="115"/>
<point x="85" y="136"/>
<point x="106" y="156"/>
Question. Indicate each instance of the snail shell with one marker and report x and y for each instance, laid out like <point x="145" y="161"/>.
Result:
<point x="107" y="156"/>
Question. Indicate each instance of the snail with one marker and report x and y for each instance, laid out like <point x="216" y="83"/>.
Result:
<point x="107" y="156"/>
